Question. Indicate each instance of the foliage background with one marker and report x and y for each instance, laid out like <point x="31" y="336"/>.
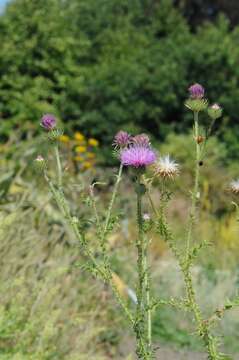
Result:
<point x="105" y="65"/>
<point x="102" y="66"/>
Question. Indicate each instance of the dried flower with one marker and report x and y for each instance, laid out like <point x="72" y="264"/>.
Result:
<point x="215" y="111"/>
<point x="137" y="156"/>
<point x="166" y="168"/>
<point x="196" y="91"/>
<point x="48" y="121"/>
<point x="141" y="139"/>
<point x="122" y="139"/>
<point x="234" y="186"/>
<point x="199" y="139"/>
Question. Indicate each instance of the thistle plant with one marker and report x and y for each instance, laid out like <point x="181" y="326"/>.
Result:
<point x="137" y="154"/>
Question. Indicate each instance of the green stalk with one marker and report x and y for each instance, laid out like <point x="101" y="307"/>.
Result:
<point x="143" y="308"/>
<point x="109" y="212"/>
<point x="105" y="274"/>
<point x="148" y="305"/>
<point x="202" y="326"/>
<point x="59" y="168"/>
<point x="195" y="194"/>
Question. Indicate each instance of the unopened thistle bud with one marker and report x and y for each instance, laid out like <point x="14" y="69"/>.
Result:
<point x="215" y="111"/>
<point x="141" y="140"/>
<point x="196" y="91"/>
<point x="48" y="122"/>
<point x="234" y="187"/>
<point x="40" y="163"/>
<point x="121" y="140"/>
<point x="166" y="168"/>
<point x="196" y="102"/>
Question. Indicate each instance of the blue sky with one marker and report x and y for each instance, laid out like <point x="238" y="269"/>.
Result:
<point x="2" y="3"/>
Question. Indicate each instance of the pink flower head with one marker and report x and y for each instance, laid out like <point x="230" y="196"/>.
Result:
<point x="196" y="91"/>
<point x="141" y="140"/>
<point x="48" y="121"/>
<point x="137" y="156"/>
<point x="122" y="139"/>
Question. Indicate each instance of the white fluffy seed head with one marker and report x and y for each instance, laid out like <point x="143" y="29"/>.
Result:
<point x="234" y="186"/>
<point x="166" y="168"/>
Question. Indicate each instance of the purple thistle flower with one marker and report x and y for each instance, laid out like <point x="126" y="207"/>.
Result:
<point x="122" y="139"/>
<point x="48" y="121"/>
<point x="141" y="140"/>
<point x="137" y="156"/>
<point x="196" y="91"/>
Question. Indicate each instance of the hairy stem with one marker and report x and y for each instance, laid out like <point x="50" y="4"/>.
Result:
<point x="59" y="168"/>
<point x="104" y="273"/>
<point x="202" y="326"/>
<point x="109" y="212"/>
<point x="143" y="308"/>
<point x="195" y="193"/>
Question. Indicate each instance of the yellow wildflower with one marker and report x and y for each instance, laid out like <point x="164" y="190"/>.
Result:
<point x="78" y="158"/>
<point x="80" y="149"/>
<point x="93" y="142"/>
<point x="79" y="136"/>
<point x="90" y="155"/>
<point x="87" y="165"/>
<point x="64" y="138"/>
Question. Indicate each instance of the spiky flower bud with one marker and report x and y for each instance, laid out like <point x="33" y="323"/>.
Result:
<point x="196" y="102"/>
<point x="141" y="140"/>
<point x="215" y="111"/>
<point x="40" y="163"/>
<point x="121" y="140"/>
<point x="196" y="105"/>
<point x="48" y="122"/>
<point x="196" y="91"/>
<point x="166" y="168"/>
<point x="55" y="134"/>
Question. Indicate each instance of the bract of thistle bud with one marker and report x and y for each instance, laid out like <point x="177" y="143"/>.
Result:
<point x="215" y="111"/>
<point x="196" y="105"/>
<point x="40" y="163"/>
<point x="48" y="122"/>
<point x="55" y="135"/>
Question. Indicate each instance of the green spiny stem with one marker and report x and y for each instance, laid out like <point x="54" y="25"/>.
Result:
<point x="202" y="326"/>
<point x="148" y="306"/>
<point x="59" y="168"/>
<point x="140" y="265"/>
<point x="143" y="309"/>
<point x="195" y="193"/>
<point x="105" y="274"/>
<point x="108" y="216"/>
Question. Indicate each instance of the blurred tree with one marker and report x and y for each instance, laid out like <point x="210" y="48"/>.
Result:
<point x="109" y="64"/>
